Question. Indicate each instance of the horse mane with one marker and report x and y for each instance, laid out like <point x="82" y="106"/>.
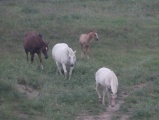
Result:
<point x="70" y="51"/>
<point x="114" y="83"/>
<point x="90" y="31"/>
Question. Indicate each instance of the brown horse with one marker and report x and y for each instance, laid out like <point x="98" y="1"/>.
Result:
<point x="33" y="43"/>
<point x="85" y="41"/>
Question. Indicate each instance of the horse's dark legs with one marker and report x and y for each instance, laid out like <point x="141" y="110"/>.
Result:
<point x="32" y="57"/>
<point x="26" y="54"/>
<point x="39" y="55"/>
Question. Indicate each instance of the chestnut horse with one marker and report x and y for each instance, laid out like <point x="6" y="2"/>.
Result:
<point x="33" y="43"/>
<point x="85" y="41"/>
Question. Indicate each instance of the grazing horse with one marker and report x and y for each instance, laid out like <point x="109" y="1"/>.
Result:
<point x="85" y="42"/>
<point x="108" y="80"/>
<point x="33" y="43"/>
<point x="64" y="55"/>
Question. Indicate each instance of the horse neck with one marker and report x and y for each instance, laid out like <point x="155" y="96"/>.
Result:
<point x="42" y="43"/>
<point x="89" y="36"/>
<point x="70" y="51"/>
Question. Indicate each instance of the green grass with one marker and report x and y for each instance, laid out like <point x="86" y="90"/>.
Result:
<point x="128" y="32"/>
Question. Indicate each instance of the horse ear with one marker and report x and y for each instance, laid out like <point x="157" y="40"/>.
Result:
<point x="68" y="51"/>
<point x="40" y="36"/>
<point x="94" y="30"/>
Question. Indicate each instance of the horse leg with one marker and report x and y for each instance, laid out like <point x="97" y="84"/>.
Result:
<point x="64" y="69"/>
<point x="108" y="95"/>
<point x="58" y="68"/>
<point x="39" y="55"/>
<point x="32" y="57"/>
<point x="97" y="90"/>
<point x="70" y="73"/>
<point x="26" y="54"/>
<point x="82" y="50"/>
<point x="104" y="92"/>
<point x="87" y="51"/>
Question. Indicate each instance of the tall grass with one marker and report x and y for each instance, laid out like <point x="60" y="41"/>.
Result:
<point x="128" y="32"/>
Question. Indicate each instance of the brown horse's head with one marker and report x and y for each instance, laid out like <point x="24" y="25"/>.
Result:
<point x="94" y="35"/>
<point x="44" y="50"/>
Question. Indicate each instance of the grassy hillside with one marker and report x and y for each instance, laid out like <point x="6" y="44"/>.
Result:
<point x="129" y="45"/>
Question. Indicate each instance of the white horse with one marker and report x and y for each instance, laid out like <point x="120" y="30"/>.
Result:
<point x="64" y="55"/>
<point x="108" y="80"/>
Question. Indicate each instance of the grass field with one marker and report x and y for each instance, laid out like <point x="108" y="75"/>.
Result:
<point x="129" y="45"/>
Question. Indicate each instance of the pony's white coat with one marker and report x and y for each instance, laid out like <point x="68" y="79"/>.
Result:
<point x="108" y="80"/>
<point x="64" y="55"/>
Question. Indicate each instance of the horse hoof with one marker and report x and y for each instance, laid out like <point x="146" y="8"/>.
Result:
<point x="100" y="100"/>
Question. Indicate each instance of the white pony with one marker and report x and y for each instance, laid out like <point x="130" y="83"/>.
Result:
<point x="108" y="80"/>
<point x="64" y="55"/>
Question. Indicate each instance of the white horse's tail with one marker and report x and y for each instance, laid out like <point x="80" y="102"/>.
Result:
<point x="114" y="84"/>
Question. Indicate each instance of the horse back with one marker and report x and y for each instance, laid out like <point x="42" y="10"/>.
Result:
<point x="106" y="77"/>
<point x="84" y="39"/>
<point x="32" y="41"/>
<point x="60" y="51"/>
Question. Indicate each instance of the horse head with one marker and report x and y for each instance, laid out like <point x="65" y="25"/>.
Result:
<point x="95" y="35"/>
<point x="113" y="97"/>
<point x="45" y="50"/>
<point x="72" y="57"/>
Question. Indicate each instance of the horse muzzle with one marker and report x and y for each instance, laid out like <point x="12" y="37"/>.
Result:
<point x="72" y="65"/>
<point x="46" y="57"/>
